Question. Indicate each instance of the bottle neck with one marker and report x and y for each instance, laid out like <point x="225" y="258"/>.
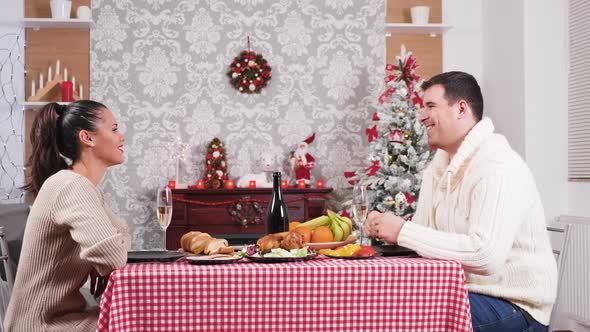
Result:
<point x="276" y="185"/>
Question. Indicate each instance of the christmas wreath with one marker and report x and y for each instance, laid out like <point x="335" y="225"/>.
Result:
<point x="249" y="72"/>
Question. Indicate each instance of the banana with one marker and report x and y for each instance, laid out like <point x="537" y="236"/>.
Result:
<point x="316" y="222"/>
<point x="337" y="230"/>
<point x="346" y="220"/>
<point x="345" y="228"/>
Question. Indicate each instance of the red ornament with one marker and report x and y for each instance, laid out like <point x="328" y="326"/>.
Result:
<point x="376" y="117"/>
<point x="396" y="136"/>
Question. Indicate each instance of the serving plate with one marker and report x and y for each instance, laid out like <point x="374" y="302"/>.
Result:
<point x="330" y="245"/>
<point x="355" y="257"/>
<point x="263" y="259"/>
<point x="213" y="260"/>
<point x="153" y="256"/>
<point x="394" y="250"/>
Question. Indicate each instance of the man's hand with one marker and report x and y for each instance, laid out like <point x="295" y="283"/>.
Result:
<point x="98" y="283"/>
<point x="385" y="226"/>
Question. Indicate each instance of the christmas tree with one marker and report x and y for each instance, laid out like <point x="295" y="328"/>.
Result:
<point x="215" y="165"/>
<point x="398" y="144"/>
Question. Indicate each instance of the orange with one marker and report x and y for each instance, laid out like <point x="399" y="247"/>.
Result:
<point x="305" y="231"/>
<point x="293" y="224"/>
<point x="322" y="234"/>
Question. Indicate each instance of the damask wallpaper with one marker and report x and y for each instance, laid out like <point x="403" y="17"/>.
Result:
<point x="160" y="66"/>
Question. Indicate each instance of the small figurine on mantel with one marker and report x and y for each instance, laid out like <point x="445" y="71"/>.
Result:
<point x="302" y="162"/>
<point x="265" y="164"/>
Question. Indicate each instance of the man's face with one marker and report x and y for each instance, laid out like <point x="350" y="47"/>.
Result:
<point x="440" y="118"/>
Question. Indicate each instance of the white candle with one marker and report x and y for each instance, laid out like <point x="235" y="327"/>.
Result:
<point x="32" y="88"/>
<point x="81" y="94"/>
<point x="65" y="74"/>
<point x="49" y="74"/>
<point x="40" y="81"/>
<point x="74" y="83"/>
<point x="57" y="68"/>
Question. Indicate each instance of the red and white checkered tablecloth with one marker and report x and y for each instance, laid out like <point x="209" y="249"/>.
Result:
<point x="324" y="294"/>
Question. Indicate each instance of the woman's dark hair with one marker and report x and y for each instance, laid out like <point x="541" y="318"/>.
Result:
<point x="54" y="137"/>
<point x="459" y="85"/>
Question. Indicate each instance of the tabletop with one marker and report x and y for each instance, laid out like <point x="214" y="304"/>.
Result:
<point x="323" y="294"/>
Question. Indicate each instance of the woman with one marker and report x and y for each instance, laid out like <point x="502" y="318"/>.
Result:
<point x="71" y="234"/>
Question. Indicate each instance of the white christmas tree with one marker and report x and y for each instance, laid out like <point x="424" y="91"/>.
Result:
<point x="398" y="145"/>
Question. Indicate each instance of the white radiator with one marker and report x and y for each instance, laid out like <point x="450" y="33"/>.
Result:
<point x="574" y="267"/>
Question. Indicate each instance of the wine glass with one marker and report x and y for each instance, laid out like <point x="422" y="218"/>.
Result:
<point x="164" y="209"/>
<point x="360" y="208"/>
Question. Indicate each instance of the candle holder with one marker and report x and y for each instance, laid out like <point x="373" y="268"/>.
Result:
<point x="200" y="184"/>
<point x="230" y="184"/>
<point x="284" y="184"/>
<point x="319" y="184"/>
<point x="301" y="184"/>
<point x="172" y="184"/>
<point x="252" y="184"/>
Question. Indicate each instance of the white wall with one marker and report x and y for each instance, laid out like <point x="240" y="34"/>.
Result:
<point x="545" y="92"/>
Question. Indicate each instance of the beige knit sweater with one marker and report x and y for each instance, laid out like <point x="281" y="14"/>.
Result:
<point x="483" y="209"/>
<point x="70" y="231"/>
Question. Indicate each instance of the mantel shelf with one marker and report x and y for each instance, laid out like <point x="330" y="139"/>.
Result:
<point x="49" y="23"/>
<point x="416" y="29"/>
<point x="36" y="105"/>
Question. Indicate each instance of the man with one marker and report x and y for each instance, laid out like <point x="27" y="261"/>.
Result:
<point x="479" y="205"/>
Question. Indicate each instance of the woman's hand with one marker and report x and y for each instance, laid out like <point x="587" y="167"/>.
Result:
<point x="385" y="226"/>
<point x="98" y="283"/>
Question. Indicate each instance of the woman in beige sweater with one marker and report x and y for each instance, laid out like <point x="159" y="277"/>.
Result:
<point x="71" y="234"/>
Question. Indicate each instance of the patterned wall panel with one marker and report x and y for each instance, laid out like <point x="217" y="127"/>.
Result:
<point x="160" y="66"/>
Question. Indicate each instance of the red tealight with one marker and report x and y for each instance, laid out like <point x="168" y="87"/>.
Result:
<point x="320" y="184"/>
<point x="200" y="184"/>
<point x="284" y="184"/>
<point x="252" y="184"/>
<point x="172" y="184"/>
<point x="229" y="184"/>
<point x="301" y="184"/>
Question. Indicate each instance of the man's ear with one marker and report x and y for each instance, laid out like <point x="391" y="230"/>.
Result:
<point x="464" y="109"/>
<point x="85" y="138"/>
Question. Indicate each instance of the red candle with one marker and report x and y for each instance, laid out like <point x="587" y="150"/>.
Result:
<point x="301" y="184"/>
<point x="229" y="184"/>
<point x="67" y="91"/>
<point x="252" y="184"/>
<point x="200" y="184"/>
<point x="172" y="184"/>
<point x="284" y="184"/>
<point x="320" y="184"/>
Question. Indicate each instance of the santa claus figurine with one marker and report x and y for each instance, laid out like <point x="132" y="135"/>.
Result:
<point x="302" y="162"/>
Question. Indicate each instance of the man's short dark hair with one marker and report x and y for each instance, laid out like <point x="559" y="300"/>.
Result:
<point x="459" y="85"/>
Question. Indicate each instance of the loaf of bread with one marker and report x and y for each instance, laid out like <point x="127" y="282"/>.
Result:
<point x="202" y="243"/>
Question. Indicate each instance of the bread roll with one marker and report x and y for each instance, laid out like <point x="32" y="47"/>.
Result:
<point x="214" y="245"/>
<point x="198" y="243"/>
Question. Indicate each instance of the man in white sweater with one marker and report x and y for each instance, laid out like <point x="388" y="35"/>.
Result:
<point x="479" y="205"/>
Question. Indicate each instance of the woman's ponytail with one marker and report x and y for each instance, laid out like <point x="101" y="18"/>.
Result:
<point x="45" y="158"/>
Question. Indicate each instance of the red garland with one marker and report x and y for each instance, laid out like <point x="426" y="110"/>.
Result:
<point x="249" y="72"/>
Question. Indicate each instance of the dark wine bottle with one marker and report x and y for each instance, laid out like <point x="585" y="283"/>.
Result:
<point x="277" y="216"/>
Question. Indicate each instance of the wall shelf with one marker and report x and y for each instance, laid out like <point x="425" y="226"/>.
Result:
<point x="49" y="23"/>
<point x="36" y="105"/>
<point x="416" y="29"/>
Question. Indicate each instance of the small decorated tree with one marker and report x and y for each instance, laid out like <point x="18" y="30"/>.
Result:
<point x="398" y="143"/>
<point x="215" y="165"/>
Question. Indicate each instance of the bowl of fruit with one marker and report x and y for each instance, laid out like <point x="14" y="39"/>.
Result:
<point x="325" y="232"/>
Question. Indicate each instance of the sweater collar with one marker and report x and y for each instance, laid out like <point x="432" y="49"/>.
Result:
<point x="479" y="133"/>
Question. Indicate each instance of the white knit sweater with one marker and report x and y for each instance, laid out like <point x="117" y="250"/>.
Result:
<point x="69" y="232"/>
<point x="483" y="210"/>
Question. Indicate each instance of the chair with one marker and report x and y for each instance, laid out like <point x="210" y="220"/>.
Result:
<point x="572" y="305"/>
<point x="5" y="285"/>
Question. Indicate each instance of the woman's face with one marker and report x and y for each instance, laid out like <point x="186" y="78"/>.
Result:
<point x="108" y="141"/>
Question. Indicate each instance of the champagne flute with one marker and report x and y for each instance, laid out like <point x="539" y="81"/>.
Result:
<point x="360" y="208"/>
<point x="164" y="209"/>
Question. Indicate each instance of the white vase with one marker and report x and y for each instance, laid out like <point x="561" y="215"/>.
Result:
<point x="60" y="9"/>
<point x="420" y="14"/>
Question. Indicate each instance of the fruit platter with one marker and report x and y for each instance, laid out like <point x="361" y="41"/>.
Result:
<point x="279" y="248"/>
<point x="325" y="232"/>
<point x="350" y="251"/>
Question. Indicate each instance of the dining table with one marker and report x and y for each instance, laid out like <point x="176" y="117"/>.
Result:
<point x="320" y="294"/>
